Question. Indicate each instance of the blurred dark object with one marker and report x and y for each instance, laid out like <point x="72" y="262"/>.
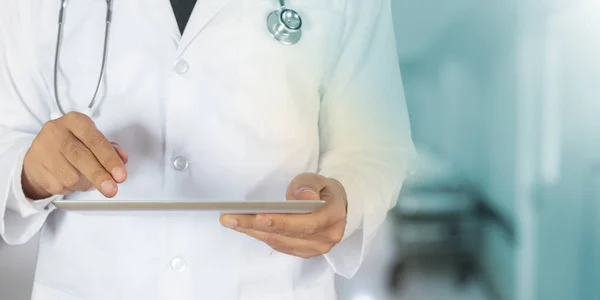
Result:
<point x="440" y="215"/>
<point x="437" y="222"/>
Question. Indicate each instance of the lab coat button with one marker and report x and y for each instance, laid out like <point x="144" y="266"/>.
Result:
<point x="180" y="163"/>
<point x="178" y="264"/>
<point x="181" y="66"/>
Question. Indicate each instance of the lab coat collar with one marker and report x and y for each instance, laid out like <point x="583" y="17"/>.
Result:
<point x="163" y="18"/>
<point x="203" y="14"/>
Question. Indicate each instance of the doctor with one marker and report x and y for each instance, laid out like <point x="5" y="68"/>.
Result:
<point x="224" y="105"/>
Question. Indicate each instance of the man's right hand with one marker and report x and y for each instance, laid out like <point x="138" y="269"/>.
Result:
<point x="70" y="154"/>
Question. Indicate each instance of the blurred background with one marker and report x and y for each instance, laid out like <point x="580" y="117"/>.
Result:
<point x="503" y="97"/>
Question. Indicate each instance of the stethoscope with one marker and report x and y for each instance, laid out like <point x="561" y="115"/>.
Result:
<point x="284" y="24"/>
<point x="61" y="22"/>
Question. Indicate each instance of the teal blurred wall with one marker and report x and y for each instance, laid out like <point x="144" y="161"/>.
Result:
<point x="508" y="91"/>
<point x="455" y="57"/>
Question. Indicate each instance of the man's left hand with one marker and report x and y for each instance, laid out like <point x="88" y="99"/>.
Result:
<point x="301" y="235"/>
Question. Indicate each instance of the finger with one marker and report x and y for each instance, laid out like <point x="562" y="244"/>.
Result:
<point x="85" y="130"/>
<point x="47" y="180"/>
<point x="298" y="226"/>
<point x="122" y="153"/>
<point x="85" y="161"/>
<point x="306" y="186"/>
<point x="310" y="186"/>
<point x="287" y="245"/>
<point x="329" y="190"/>
<point x="66" y="174"/>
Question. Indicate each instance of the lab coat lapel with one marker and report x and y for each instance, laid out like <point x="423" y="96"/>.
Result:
<point x="204" y="12"/>
<point x="162" y="17"/>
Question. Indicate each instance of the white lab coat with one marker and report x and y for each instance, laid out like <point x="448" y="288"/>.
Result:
<point x="246" y="112"/>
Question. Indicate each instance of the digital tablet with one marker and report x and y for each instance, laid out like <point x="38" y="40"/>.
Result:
<point x="228" y="207"/>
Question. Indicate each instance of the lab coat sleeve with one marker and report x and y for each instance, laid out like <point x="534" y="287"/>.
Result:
<point x="20" y="90"/>
<point x="365" y="133"/>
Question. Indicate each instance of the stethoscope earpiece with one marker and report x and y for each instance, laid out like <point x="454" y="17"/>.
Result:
<point x="285" y="25"/>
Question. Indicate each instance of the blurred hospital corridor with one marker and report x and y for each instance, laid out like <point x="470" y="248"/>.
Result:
<point x="422" y="280"/>
<point x="504" y="203"/>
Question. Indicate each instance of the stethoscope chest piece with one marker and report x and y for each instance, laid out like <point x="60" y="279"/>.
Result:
<point x="285" y="25"/>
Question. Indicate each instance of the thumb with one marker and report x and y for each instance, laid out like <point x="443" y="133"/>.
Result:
<point x="306" y="186"/>
<point x="306" y="194"/>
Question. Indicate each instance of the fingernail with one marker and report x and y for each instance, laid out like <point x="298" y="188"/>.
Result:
<point x="116" y="145"/>
<point x="230" y="223"/>
<point x="108" y="187"/>
<point x="118" y="174"/>
<point x="306" y="192"/>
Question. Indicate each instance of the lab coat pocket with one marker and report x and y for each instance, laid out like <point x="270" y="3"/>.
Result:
<point x="277" y="90"/>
